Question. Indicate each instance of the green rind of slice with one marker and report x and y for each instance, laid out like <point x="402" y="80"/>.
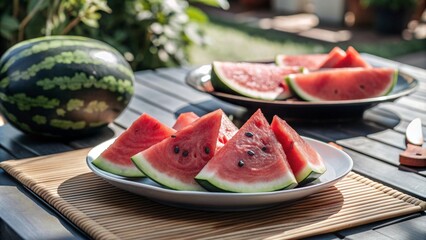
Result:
<point x="394" y="81"/>
<point x="291" y="82"/>
<point x="278" y="60"/>
<point x="309" y="174"/>
<point x="163" y="179"/>
<point x="209" y="187"/>
<point x="222" y="83"/>
<point x="110" y="167"/>
<point x="212" y="183"/>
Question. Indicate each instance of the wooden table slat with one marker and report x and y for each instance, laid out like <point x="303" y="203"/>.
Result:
<point x="165" y="101"/>
<point x="177" y="74"/>
<point x="402" y="112"/>
<point x="178" y="91"/>
<point x="413" y="103"/>
<point x="137" y="107"/>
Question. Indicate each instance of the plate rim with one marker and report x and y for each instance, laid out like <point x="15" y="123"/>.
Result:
<point x="410" y="80"/>
<point x="123" y="180"/>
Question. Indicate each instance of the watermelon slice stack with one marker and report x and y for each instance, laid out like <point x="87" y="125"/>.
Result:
<point x="259" y="157"/>
<point x="336" y="71"/>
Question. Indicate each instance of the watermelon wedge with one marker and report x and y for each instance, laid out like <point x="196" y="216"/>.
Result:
<point x="142" y="134"/>
<point x="343" y="83"/>
<point x="184" y="120"/>
<point x="254" y="80"/>
<point x="252" y="161"/>
<point x="334" y="56"/>
<point x="306" y="163"/>
<point x="309" y="61"/>
<point x="175" y="161"/>
<point x="352" y="59"/>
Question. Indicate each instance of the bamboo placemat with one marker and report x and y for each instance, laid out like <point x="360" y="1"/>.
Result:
<point x="105" y="212"/>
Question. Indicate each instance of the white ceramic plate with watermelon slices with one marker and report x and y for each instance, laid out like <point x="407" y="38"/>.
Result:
<point x="338" y="164"/>
<point x="295" y="109"/>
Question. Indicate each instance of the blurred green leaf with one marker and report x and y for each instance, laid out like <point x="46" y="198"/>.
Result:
<point x="9" y="23"/>
<point x="215" y="3"/>
<point x="6" y="34"/>
<point x="195" y="14"/>
<point x="90" y="22"/>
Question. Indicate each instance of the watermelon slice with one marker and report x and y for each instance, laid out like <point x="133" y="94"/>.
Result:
<point x="306" y="163"/>
<point x="252" y="161"/>
<point x="142" y="134"/>
<point x="254" y="80"/>
<point x="184" y="120"/>
<point x="343" y="83"/>
<point x="309" y="61"/>
<point x="175" y="161"/>
<point x="334" y="56"/>
<point x="352" y="59"/>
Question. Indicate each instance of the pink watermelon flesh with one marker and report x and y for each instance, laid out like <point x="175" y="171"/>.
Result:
<point x="306" y="163"/>
<point x="309" y="61"/>
<point x="252" y="161"/>
<point x="352" y="59"/>
<point x="227" y="129"/>
<point x="184" y="120"/>
<point x="175" y="161"/>
<point x="334" y="56"/>
<point x="343" y="83"/>
<point x="142" y="134"/>
<point x="255" y="80"/>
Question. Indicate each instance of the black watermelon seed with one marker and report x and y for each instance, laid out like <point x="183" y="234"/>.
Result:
<point x="240" y="163"/>
<point x="249" y="134"/>
<point x="264" y="148"/>
<point x="173" y="136"/>
<point x="250" y="152"/>
<point x="176" y="149"/>
<point x="207" y="150"/>
<point x="185" y="153"/>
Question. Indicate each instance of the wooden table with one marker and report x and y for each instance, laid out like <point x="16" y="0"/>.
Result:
<point x="374" y="142"/>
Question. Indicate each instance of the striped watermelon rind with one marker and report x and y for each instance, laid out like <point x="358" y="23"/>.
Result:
<point x="63" y="85"/>
<point x="292" y="82"/>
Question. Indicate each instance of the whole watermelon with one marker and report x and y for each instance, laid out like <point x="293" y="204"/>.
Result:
<point x="63" y="86"/>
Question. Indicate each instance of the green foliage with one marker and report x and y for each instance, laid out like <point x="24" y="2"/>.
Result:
<point x="392" y="4"/>
<point x="150" y="33"/>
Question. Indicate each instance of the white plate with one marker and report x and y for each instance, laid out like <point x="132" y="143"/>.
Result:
<point x="338" y="164"/>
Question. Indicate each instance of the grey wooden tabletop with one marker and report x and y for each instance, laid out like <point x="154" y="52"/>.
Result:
<point x="374" y="141"/>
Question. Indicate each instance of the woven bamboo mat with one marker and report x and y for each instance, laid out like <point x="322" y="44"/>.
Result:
<point x="105" y="212"/>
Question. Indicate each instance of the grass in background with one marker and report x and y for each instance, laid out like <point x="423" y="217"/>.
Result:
<point x="239" y="42"/>
<point x="231" y="44"/>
